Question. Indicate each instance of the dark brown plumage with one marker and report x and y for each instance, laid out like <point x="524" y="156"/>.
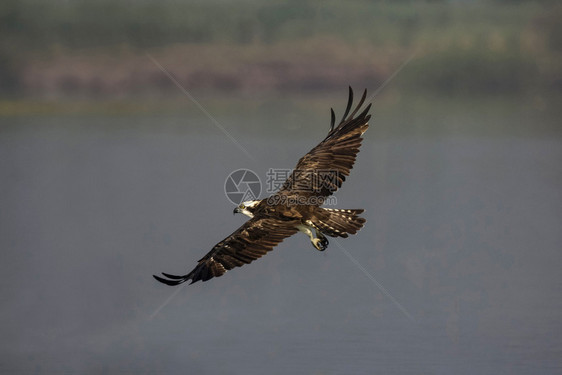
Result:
<point x="296" y="206"/>
<point x="333" y="158"/>
<point x="249" y="242"/>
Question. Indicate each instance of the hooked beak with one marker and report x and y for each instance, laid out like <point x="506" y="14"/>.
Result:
<point x="236" y="211"/>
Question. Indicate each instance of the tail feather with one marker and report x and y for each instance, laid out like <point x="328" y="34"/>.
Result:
<point x="339" y="222"/>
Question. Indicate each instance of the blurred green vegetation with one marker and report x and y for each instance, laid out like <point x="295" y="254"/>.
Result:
<point x="99" y="47"/>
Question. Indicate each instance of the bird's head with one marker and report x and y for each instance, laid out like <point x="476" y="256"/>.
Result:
<point x="247" y="208"/>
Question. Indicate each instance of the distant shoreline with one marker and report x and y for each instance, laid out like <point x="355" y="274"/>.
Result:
<point x="70" y="50"/>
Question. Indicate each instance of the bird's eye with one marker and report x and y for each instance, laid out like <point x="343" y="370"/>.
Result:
<point x="242" y="206"/>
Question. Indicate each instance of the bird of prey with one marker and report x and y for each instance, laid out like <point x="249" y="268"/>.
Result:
<point x="296" y="206"/>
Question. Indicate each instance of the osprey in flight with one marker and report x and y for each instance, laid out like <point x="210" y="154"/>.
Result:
<point x="296" y="206"/>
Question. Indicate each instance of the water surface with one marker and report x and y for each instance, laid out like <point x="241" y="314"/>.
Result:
<point x="463" y="231"/>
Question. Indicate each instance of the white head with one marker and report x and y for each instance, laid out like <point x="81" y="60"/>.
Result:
<point x="247" y="208"/>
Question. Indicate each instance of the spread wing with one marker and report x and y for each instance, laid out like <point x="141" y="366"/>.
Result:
<point x="323" y="170"/>
<point x="252" y="240"/>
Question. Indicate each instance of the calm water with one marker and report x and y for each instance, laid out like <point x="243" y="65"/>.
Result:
<point x="462" y="235"/>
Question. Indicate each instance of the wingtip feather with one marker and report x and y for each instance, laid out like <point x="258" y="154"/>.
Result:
<point x="165" y="281"/>
<point x="171" y="280"/>
<point x="174" y="277"/>
<point x="349" y="104"/>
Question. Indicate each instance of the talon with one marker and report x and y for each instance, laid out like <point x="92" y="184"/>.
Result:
<point x="320" y="243"/>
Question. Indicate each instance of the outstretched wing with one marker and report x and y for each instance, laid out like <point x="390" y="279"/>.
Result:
<point x="323" y="170"/>
<point x="252" y="240"/>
